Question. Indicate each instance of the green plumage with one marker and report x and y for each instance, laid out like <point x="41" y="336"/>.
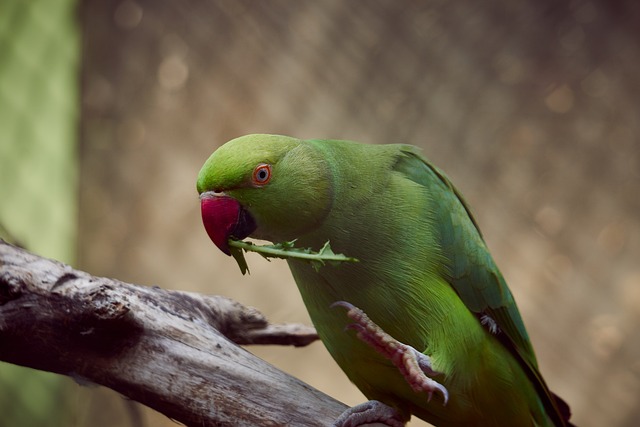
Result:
<point x="425" y="275"/>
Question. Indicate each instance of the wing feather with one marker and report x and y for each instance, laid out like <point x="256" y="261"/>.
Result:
<point x="471" y="270"/>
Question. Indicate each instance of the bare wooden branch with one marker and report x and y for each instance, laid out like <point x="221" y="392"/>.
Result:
<point x="173" y="351"/>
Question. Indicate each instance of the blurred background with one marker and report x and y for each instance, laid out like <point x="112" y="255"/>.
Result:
<point x="109" y="108"/>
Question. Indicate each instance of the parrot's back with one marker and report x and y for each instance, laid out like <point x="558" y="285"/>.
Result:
<point x="426" y="277"/>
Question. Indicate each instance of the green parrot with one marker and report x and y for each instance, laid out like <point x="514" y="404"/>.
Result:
<point x="424" y="323"/>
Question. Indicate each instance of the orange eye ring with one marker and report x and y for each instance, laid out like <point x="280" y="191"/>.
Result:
<point x="261" y="174"/>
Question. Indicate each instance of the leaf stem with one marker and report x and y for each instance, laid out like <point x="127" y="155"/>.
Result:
<point x="279" y="251"/>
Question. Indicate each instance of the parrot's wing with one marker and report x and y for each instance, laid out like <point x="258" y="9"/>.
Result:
<point x="471" y="270"/>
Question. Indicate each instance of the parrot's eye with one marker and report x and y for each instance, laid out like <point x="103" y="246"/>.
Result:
<point x="261" y="174"/>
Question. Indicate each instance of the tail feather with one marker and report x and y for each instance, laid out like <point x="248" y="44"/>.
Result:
<point x="563" y="408"/>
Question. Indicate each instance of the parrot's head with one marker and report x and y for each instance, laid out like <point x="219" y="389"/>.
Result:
<point x="269" y="187"/>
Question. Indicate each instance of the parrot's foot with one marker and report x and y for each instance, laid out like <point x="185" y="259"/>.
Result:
<point x="368" y="413"/>
<point x="412" y="364"/>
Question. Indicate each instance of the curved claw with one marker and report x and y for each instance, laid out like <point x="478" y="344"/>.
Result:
<point x="344" y="304"/>
<point x="422" y="380"/>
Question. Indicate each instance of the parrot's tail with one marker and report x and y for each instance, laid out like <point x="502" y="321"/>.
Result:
<point x="564" y="409"/>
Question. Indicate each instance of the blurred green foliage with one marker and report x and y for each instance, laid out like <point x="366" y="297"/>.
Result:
<point x="39" y="93"/>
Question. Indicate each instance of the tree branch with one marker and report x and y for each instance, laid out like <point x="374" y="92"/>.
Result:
<point x="172" y="351"/>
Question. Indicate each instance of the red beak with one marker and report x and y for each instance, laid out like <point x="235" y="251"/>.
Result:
<point x="224" y="218"/>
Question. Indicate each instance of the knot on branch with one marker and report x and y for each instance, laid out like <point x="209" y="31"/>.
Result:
<point x="105" y="305"/>
<point x="11" y="287"/>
